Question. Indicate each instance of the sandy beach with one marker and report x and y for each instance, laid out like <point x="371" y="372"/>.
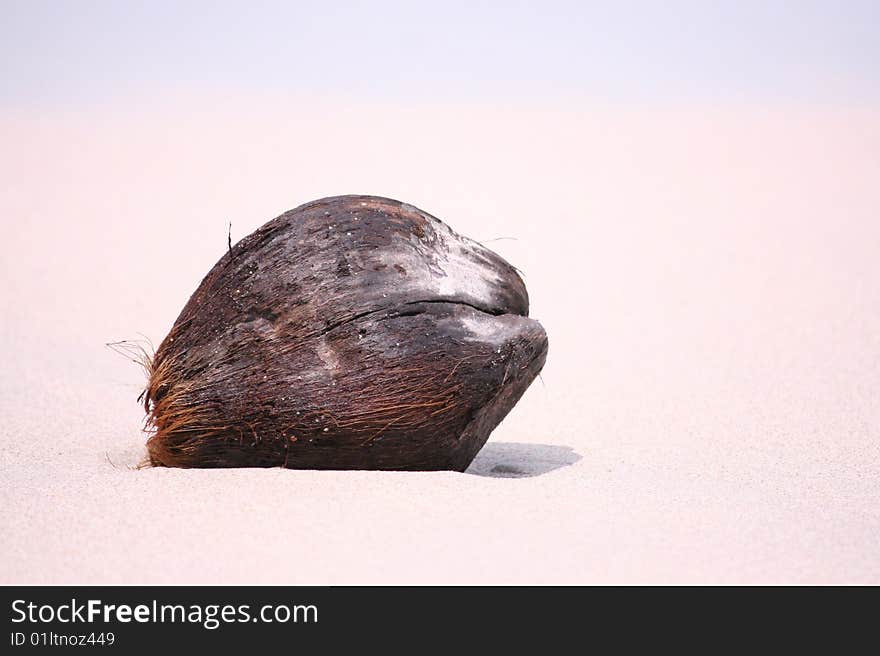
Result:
<point x="709" y="280"/>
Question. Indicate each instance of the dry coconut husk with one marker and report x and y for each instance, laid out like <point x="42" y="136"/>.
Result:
<point x="353" y="332"/>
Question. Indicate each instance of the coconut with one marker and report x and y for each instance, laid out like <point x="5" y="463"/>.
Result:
<point x="353" y="332"/>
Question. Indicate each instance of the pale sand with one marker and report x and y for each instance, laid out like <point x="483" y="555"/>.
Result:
<point x="709" y="280"/>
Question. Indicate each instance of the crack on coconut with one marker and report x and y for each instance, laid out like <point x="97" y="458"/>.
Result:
<point x="407" y="309"/>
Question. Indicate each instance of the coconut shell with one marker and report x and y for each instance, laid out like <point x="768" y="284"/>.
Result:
<point x="353" y="332"/>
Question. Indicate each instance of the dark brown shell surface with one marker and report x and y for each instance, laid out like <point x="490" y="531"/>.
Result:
<point x="353" y="332"/>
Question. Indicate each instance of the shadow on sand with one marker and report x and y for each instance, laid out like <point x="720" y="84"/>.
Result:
<point x="514" y="460"/>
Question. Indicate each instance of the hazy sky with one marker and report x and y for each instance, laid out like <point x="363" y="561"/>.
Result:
<point x="67" y="52"/>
